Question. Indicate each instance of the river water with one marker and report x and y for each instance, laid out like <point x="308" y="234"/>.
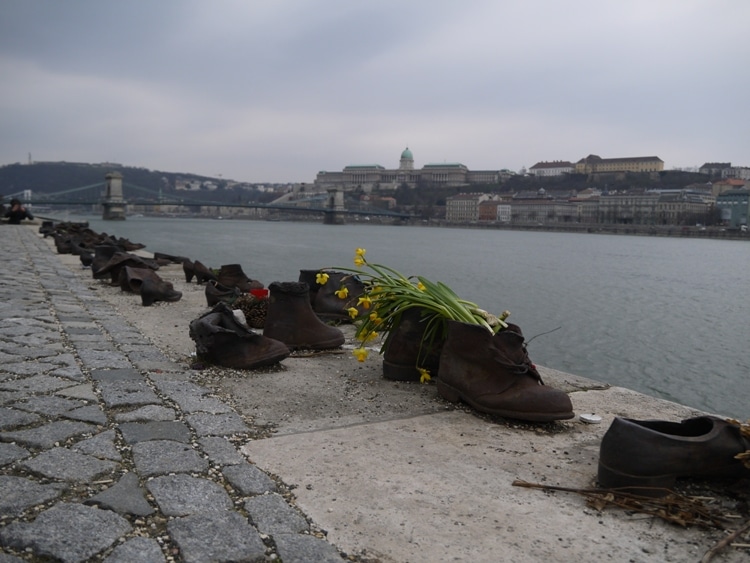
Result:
<point x="664" y="316"/>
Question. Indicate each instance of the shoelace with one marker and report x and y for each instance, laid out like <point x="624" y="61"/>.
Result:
<point x="525" y="367"/>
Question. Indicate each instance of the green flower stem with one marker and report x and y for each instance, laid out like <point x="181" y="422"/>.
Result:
<point x="391" y="293"/>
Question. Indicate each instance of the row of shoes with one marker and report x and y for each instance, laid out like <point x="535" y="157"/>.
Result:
<point x="290" y="324"/>
<point x="230" y="282"/>
<point x="223" y="286"/>
<point x="112" y="258"/>
<point x="133" y="273"/>
<point x="78" y="239"/>
<point x="491" y="373"/>
<point x="223" y="337"/>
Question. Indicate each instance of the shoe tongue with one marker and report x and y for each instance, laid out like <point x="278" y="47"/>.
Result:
<point x="510" y="341"/>
<point x="510" y="349"/>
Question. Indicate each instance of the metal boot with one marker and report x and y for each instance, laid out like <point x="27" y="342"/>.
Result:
<point x="231" y="275"/>
<point x="493" y="374"/>
<point x="291" y="320"/>
<point x="328" y="305"/>
<point x="221" y="340"/>
<point x="405" y="351"/>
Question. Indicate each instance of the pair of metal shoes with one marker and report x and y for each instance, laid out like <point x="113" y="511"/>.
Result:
<point x="197" y="270"/>
<point x="290" y="324"/>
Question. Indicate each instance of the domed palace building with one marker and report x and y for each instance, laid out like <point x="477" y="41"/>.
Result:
<point x="368" y="176"/>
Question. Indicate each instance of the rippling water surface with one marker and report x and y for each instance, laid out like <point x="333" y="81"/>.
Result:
<point x="664" y="316"/>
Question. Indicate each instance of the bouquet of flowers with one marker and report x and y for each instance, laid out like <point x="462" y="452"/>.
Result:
<point x="388" y="293"/>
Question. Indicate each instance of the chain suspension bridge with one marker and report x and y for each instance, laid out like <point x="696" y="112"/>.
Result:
<point x="115" y="199"/>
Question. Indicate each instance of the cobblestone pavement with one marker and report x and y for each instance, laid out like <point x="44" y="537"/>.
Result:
<point x="108" y="451"/>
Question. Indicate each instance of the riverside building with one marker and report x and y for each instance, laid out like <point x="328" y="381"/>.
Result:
<point x="369" y="176"/>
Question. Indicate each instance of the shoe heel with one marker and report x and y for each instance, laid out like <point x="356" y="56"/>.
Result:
<point x="651" y="486"/>
<point x="396" y="372"/>
<point x="447" y="393"/>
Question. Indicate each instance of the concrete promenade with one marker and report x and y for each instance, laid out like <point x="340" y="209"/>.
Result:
<point x="113" y="449"/>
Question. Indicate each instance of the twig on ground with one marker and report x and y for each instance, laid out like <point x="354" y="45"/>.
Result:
<point x="726" y="541"/>
<point x="674" y="507"/>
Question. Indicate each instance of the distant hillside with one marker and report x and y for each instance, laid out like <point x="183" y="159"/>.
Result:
<point x="50" y="177"/>
<point x="45" y="177"/>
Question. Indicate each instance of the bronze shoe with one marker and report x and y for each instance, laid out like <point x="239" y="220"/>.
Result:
<point x="155" y="289"/>
<point x="164" y="258"/>
<point x="47" y="228"/>
<point x="217" y="293"/>
<point x="231" y="275"/>
<point x="131" y="278"/>
<point x="310" y="277"/>
<point x="189" y="268"/>
<point x="86" y="258"/>
<point x="102" y="254"/>
<point x="648" y="456"/>
<point x="291" y="320"/>
<point x="221" y="340"/>
<point x="404" y="350"/>
<point x="493" y="374"/>
<point x="202" y="273"/>
<point x="118" y="261"/>
<point x="328" y="305"/>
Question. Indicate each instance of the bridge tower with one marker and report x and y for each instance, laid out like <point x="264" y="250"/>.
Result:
<point x="334" y="207"/>
<point x="113" y="204"/>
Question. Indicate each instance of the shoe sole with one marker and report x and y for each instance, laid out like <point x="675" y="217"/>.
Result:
<point x="327" y="345"/>
<point x="454" y="396"/>
<point x="650" y="485"/>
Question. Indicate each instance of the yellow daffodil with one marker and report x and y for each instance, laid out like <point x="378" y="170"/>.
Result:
<point x="321" y="278"/>
<point x="366" y="337"/>
<point x="424" y="375"/>
<point x="342" y="292"/>
<point x="360" y="354"/>
<point x="387" y="293"/>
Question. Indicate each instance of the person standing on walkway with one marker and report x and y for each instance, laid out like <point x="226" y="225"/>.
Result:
<point x="17" y="213"/>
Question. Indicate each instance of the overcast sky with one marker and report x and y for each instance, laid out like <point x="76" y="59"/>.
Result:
<point x="276" y="90"/>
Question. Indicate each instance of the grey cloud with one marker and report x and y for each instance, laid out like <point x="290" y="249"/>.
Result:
<point x="278" y="90"/>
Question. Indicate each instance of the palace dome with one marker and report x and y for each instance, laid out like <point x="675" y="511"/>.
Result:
<point x="406" y="155"/>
